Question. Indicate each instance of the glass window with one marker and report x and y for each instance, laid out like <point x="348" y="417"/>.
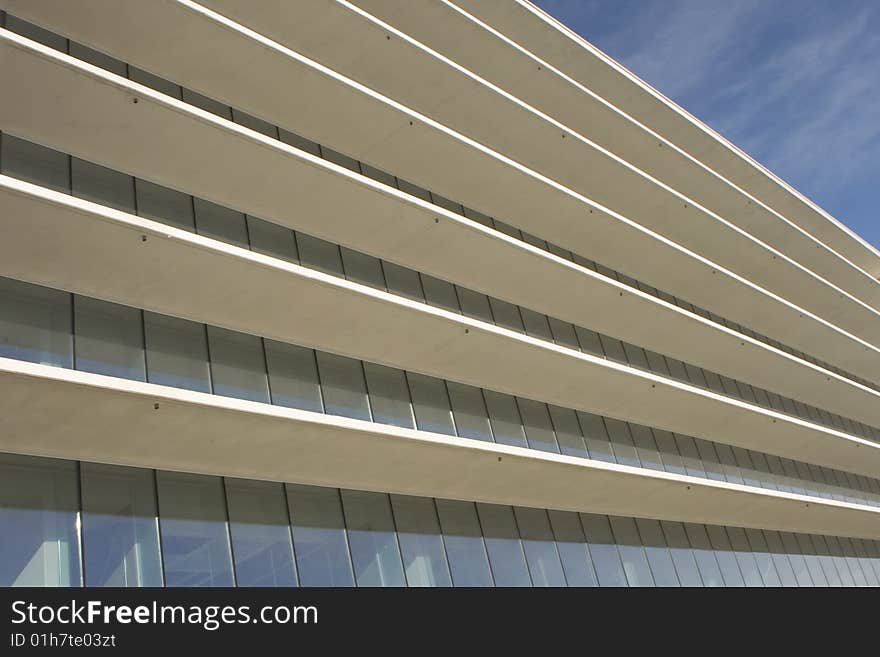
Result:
<point x="613" y="348"/>
<point x="342" y="384"/>
<point x="293" y="376"/>
<point x="596" y="437"/>
<point x="724" y="554"/>
<point x="272" y="239"/>
<point x="748" y="565"/>
<point x="479" y="217"/>
<point x="389" y="395"/>
<point x="503" y="545"/>
<point x="35" y="324"/>
<point x="375" y="554"/>
<point x="260" y="531"/>
<point x="430" y="404"/>
<point x="473" y="304"/>
<point x="440" y="293"/>
<point x="756" y="543"/>
<point x="177" y="353"/>
<point x="339" y="158"/>
<point x="690" y="456"/>
<point x="161" y="85"/>
<point x="624" y="450"/>
<point x="447" y="204"/>
<point x="635" y="356"/>
<point x="710" y="460"/>
<point x="603" y="549"/>
<point x="252" y="122"/>
<point x="536" y="324"/>
<point x="728" y="464"/>
<point x="38" y="34"/>
<point x="682" y="556"/>
<point x="506" y="423"/>
<point x="220" y="223"/>
<point x="319" y="254"/>
<point x="195" y="538"/>
<point x="668" y="449"/>
<point x="38" y="522"/>
<point x="704" y="555"/>
<point x="540" y="547"/>
<point x="798" y="561"/>
<point x="362" y="268"/>
<point x="464" y="543"/>
<point x="421" y="543"/>
<point x="165" y="205"/>
<point x="34" y="163"/>
<point x="568" y="431"/>
<point x="301" y="143"/>
<point x="403" y="282"/>
<point x="120" y="531"/>
<point x="506" y="315"/>
<point x="102" y="185"/>
<point x="780" y="559"/>
<point x="564" y="334"/>
<point x="319" y="538"/>
<point x="539" y="428"/>
<point x="632" y="554"/>
<point x="572" y="547"/>
<point x="207" y="104"/>
<point x="99" y="59"/>
<point x="589" y="342"/>
<point x="109" y="339"/>
<point x="646" y="448"/>
<point x="238" y="366"/>
<point x="659" y="557"/>
<point x="469" y="411"/>
<point x="378" y="175"/>
<point x="413" y="190"/>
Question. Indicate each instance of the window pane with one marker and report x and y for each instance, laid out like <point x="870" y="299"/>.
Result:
<point x="781" y="560"/>
<point x="690" y="456"/>
<point x="724" y="554"/>
<point x="646" y="448"/>
<point x="293" y="376"/>
<point x="97" y="58"/>
<point x="403" y="282"/>
<point x="109" y="339"/>
<point x="34" y="163"/>
<point x="299" y="142"/>
<point x="564" y="334"/>
<point x="166" y="205"/>
<point x="35" y="324"/>
<point x="362" y="268"/>
<point x="503" y="545"/>
<point x="154" y="82"/>
<point x="473" y="304"/>
<point x="339" y="158"/>
<point x="421" y="544"/>
<point x="603" y="549"/>
<point x="682" y="556"/>
<point x="536" y="324"/>
<point x="272" y="239"/>
<point x="668" y="451"/>
<point x="195" y="539"/>
<point x="430" y="404"/>
<point x="177" y="353"/>
<point x="796" y="558"/>
<point x="471" y="418"/>
<point x="539" y="428"/>
<point x="506" y="315"/>
<point x="440" y="293"/>
<point x="374" y="551"/>
<point x="207" y="104"/>
<point x="220" y="223"/>
<point x="319" y="539"/>
<point x="38" y="521"/>
<point x="589" y="342"/>
<point x="238" y="368"/>
<point x="596" y="437"/>
<point x="659" y="558"/>
<point x="763" y="559"/>
<point x="102" y="185"/>
<point x="568" y="431"/>
<point x="632" y="554"/>
<point x="748" y="566"/>
<point x="120" y="531"/>
<point x="704" y="554"/>
<point x="540" y="547"/>
<point x="319" y="254"/>
<point x="506" y="424"/>
<point x="258" y="524"/>
<point x="38" y="34"/>
<point x="342" y="384"/>
<point x="254" y="123"/>
<point x="572" y="548"/>
<point x="464" y="543"/>
<point x="624" y="450"/>
<point x="389" y="395"/>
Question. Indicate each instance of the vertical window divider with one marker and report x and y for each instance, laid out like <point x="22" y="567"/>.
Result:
<point x="290" y="532"/>
<point x="229" y="531"/>
<point x="80" y="534"/>
<point x="159" y="525"/>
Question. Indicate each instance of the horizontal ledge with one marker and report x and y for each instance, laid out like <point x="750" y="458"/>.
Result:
<point x="726" y="225"/>
<point x="89" y="112"/>
<point x="86" y="111"/>
<point x="48" y="411"/>
<point x="82" y="247"/>
<point x="534" y="29"/>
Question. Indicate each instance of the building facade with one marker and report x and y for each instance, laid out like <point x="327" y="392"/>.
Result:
<point x="372" y="293"/>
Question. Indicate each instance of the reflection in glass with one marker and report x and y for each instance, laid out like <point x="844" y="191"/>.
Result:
<point x="374" y="551"/>
<point x="421" y="544"/>
<point x="35" y="323"/>
<point x="109" y="339"/>
<point x="505" y="550"/>
<point x="319" y="537"/>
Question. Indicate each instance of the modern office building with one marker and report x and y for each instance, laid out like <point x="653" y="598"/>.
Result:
<point x="316" y="292"/>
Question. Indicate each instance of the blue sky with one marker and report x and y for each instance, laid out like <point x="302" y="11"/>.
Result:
<point x="794" y="83"/>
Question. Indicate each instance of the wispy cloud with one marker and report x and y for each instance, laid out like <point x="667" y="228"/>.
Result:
<point x="794" y="83"/>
